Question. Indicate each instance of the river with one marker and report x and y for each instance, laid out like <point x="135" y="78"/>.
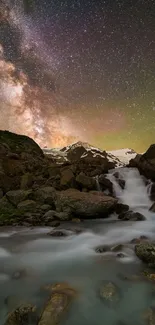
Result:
<point x="30" y="259"/>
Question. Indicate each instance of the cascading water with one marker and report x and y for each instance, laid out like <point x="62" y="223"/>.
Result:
<point x="135" y="192"/>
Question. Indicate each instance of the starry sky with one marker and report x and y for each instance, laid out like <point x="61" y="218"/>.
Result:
<point x="79" y="70"/>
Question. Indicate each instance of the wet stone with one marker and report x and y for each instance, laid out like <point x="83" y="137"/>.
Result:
<point x="23" y="315"/>
<point x="102" y="249"/>
<point x="109" y="292"/>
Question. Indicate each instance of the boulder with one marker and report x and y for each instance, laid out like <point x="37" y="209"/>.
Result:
<point x="105" y="183"/>
<point x="52" y="215"/>
<point x="132" y="216"/>
<point x="28" y="205"/>
<point x="17" y="196"/>
<point x="85" y="205"/>
<point x="26" y="181"/>
<point x="85" y="181"/>
<point x="121" y="208"/>
<point x="62" y="296"/>
<point x="23" y="315"/>
<point x="45" y="195"/>
<point x="67" y="178"/>
<point x="109" y="293"/>
<point x="146" y="252"/>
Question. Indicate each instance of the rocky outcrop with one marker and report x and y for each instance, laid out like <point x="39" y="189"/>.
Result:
<point x="145" y="163"/>
<point x="146" y="252"/>
<point x="85" y="205"/>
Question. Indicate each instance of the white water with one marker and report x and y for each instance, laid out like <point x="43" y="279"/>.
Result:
<point x="135" y="194"/>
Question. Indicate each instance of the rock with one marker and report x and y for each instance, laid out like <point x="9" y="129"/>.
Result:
<point x="109" y="293"/>
<point x="23" y="315"/>
<point x="20" y="143"/>
<point x="77" y="220"/>
<point x="45" y="195"/>
<point x="152" y="207"/>
<point x="146" y="252"/>
<point x="62" y="215"/>
<point x="26" y="181"/>
<point x="54" y="224"/>
<point x="84" y="205"/>
<point x="149" y="316"/>
<point x="120" y="208"/>
<point x="58" y="233"/>
<point x="51" y="215"/>
<point x="117" y="248"/>
<point x="102" y="249"/>
<point x="149" y="275"/>
<point x="129" y="215"/>
<point x="121" y="255"/>
<point x="1" y="193"/>
<point x="139" y="240"/>
<point x="105" y="183"/>
<point x="62" y="295"/>
<point x="145" y="163"/>
<point x="85" y="181"/>
<point x="67" y="178"/>
<point x="16" y="197"/>
<point x="27" y="205"/>
<point x="45" y="207"/>
<point x="19" y="274"/>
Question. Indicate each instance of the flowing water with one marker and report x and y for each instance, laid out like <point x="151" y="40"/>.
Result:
<point x="73" y="259"/>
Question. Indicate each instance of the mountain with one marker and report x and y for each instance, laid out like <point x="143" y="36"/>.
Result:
<point x="124" y="155"/>
<point x="83" y="150"/>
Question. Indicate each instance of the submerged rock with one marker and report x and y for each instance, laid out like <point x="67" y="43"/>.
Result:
<point x="58" y="304"/>
<point x="23" y="315"/>
<point x="109" y="293"/>
<point x="146" y="252"/>
<point x="133" y="216"/>
<point x="149" y="316"/>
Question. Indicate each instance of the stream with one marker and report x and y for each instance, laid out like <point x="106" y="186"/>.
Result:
<point x="45" y="260"/>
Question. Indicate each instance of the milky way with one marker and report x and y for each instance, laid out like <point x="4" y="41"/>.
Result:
<point x="73" y="70"/>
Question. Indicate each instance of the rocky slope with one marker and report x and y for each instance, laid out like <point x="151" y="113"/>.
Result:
<point x="39" y="187"/>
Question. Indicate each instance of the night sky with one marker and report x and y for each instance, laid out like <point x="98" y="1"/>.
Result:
<point x="79" y="70"/>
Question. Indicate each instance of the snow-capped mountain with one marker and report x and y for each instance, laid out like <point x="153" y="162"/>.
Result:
<point x="119" y="157"/>
<point x="124" y="155"/>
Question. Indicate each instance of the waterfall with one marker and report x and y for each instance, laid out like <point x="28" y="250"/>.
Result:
<point x="135" y="193"/>
<point x="98" y="187"/>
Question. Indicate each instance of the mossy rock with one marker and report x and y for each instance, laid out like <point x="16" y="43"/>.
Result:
<point x="146" y="252"/>
<point x="20" y="143"/>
